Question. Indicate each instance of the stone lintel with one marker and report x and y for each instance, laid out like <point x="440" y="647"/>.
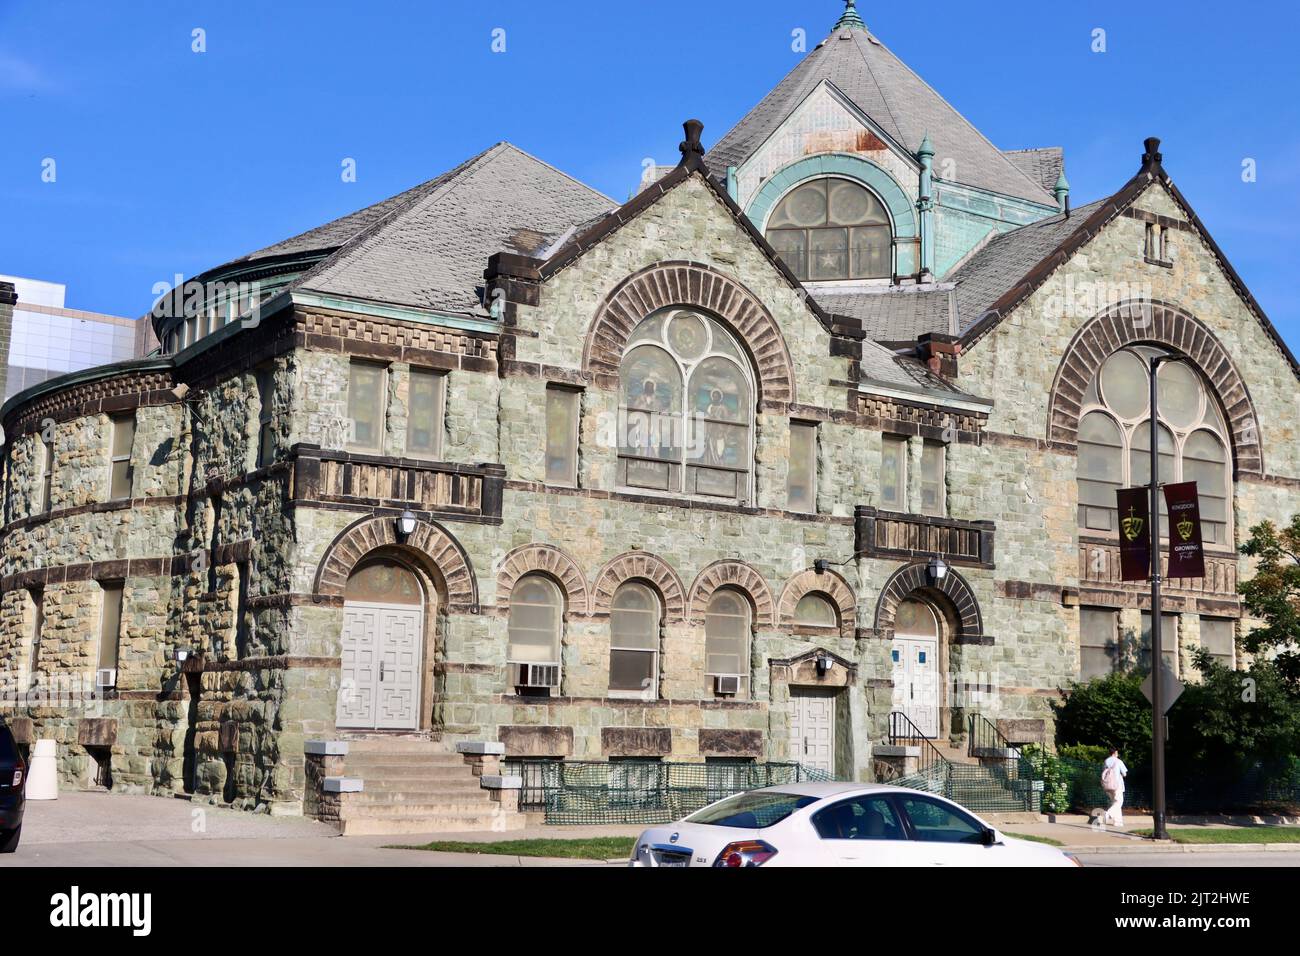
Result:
<point x="326" y="748"/>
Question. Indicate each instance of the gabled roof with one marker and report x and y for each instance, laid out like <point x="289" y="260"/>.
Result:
<point x="1044" y="165"/>
<point x="900" y="102"/>
<point x="995" y="268"/>
<point x="895" y="314"/>
<point x="426" y="248"/>
<point x="879" y="365"/>
<point x="1034" y="256"/>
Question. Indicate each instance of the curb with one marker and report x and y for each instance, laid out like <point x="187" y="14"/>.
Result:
<point x="1188" y="848"/>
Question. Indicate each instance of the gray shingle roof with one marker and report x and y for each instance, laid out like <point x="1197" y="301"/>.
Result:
<point x="1007" y="258"/>
<point x="1043" y="165"/>
<point x="428" y="246"/>
<point x="882" y="366"/>
<point x="896" y="99"/>
<point x="895" y="314"/>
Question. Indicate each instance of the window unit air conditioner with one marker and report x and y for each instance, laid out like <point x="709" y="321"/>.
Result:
<point x="539" y="675"/>
<point x="106" y="678"/>
<point x="727" y="684"/>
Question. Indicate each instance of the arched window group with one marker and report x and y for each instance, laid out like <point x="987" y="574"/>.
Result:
<point x="636" y="625"/>
<point x="832" y="228"/>
<point x="1115" y="440"/>
<point x="686" y="409"/>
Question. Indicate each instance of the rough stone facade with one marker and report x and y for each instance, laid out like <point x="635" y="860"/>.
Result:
<point x="234" y="549"/>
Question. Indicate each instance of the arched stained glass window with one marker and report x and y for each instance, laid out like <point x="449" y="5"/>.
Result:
<point x="1115" y="440"/>
<point x="832" y="228"/>
<point x="687" y="408"/>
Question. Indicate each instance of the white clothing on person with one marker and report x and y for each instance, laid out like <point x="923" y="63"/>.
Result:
<point x="1113" y="773"/>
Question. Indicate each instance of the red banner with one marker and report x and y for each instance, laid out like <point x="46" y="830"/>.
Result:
<point x="1186" y="553"/>
<point x="1134" y="533"/>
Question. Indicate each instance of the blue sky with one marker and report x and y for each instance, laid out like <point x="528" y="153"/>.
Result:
<point x="170" y="161"/>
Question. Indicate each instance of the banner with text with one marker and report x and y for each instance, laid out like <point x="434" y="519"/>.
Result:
<point x="1134" y="533"/>
<point x="1186" y="553"/>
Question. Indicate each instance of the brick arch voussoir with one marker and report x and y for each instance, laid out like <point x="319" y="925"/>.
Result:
<point x="738" y="575"/>
<point x="913" y="580"/>
<point x="825" y="582"/>
<point x="1158" y="323"/>
<point x="698" y="286"/>
<point x="430" y="542"/>
<point x="548" y="560"/>
<point x="640" y="566"/>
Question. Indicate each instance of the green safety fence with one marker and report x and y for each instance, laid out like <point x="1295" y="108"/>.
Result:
<point x="591" y="792"/>
<point x="1007" y="786"/>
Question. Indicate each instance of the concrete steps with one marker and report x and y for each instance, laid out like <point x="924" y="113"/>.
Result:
<point x="414" y="785"/>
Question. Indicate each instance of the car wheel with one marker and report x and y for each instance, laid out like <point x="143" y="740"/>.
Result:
<point x="9" y="839"/>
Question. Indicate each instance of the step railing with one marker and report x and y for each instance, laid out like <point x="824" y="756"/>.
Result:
<point x="904" y="733"/>
<point x="985" y="742"/>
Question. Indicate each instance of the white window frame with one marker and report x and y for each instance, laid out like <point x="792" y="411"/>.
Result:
<point x="746" y="651"/>
<point x="557" y="642"/>
<point x="106" y="588"/>
<point x="116" y="422"/>
<point x="903" y="447"/>
<point x="941" y="492"/>
<point x="47" y="475"/>
<point x="811" y="465"/>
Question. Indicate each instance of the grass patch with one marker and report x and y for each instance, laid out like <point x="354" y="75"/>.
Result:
<point x="1262" y="834"/>
<point x="589" y="848"/>
<point x="1035" y="839"/>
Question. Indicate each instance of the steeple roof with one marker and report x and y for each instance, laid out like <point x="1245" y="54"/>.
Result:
<point x="895" y="98"/>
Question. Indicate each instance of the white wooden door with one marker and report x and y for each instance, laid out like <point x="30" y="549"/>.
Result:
<point x="916" y="682"/>
<point x="812" y="730"/>
<point x="379" y="684"/>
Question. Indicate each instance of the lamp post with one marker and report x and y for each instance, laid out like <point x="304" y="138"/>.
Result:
<point x="1157" y="651"/>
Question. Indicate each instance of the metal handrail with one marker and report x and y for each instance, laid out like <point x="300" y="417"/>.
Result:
<point x="902" y="732"/>
<point x="984" y="736"/>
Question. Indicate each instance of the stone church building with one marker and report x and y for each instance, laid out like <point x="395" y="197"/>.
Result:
<point x="824" y="424"/>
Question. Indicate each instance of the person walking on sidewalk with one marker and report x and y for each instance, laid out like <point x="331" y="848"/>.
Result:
<point x="1113" y="773"/>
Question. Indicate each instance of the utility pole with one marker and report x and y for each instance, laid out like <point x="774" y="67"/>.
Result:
<point x="1157" y="658"/>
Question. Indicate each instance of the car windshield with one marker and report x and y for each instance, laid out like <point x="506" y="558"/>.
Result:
<point x="751" y="811"/>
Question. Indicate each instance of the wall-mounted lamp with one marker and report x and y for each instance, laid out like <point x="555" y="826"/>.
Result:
<point x="821" y="565"/>
<point x="937" y="569"/>
<point x="824" y="664"/>
<point x="405" y="524"/>
<point x="181" y="654"/>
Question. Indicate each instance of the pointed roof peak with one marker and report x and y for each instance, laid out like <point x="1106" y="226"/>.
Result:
<point x="849" y="19"/>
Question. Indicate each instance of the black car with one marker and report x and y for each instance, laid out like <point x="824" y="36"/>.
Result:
<point x="13" y="784"/>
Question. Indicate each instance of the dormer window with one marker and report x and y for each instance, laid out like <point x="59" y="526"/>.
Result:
<point x="830" y="229"/>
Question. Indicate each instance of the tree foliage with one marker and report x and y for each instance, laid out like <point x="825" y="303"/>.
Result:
<point x="1273" y="596"/>
<point x="1106" y="711"/>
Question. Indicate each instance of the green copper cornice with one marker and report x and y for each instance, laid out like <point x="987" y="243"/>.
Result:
<point x="850" y="19"/>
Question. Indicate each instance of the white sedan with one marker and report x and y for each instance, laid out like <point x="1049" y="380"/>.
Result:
<point x="836" y="824"/>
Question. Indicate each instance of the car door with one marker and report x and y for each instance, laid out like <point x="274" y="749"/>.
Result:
<point x="945" y="835"/>
<point x="865" y="830"/>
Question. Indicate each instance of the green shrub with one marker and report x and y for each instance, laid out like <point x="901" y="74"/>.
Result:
<point x="1046" y="766"/>
<point x="1084" y="753"/>
<point x="1104" y="712"/>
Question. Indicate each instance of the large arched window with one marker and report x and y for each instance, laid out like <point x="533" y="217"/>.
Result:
<point x="634" y="642"/>
<point x="832" y="228"/>
<point x="816" y="610"/>
<point x="687" y="408"/>
<point x="536" y="610"/>
<point x="726" y="642"/>
<point x="1115" y="440"/>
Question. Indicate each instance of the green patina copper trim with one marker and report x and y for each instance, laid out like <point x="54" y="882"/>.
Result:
<point x="837" y="164"/>
<point x="405" y="313"/>
<point x="850" y="20"/>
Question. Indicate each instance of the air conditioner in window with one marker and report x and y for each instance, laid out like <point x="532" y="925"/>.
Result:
<point x="727" y="684"/>
<point x="106" y="678"/>
<point x="539" y="675"/>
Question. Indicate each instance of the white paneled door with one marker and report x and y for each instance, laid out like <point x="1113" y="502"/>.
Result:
<point x="380" y="681"/>
<point x="812" y="730"/>
<point x="916" y="682"/>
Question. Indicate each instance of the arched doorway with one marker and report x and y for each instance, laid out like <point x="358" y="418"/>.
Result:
<point x="383" y="647"/>
<point x="915" y="657"/>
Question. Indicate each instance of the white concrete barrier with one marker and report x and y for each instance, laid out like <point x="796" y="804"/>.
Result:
<point x="43" y="774"/>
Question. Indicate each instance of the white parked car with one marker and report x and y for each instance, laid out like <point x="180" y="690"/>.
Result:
<point x="837" y="824"/>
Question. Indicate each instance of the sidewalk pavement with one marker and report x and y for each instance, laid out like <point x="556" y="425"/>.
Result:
<point x="1078" y="836"/>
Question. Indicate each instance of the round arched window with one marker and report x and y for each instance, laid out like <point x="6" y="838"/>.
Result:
<point x="1115" y="440"/>
<point x="383" y="582"/>
<point x="832" y="229"/>
<point x="816" y="610"/>
<point x="916" y="619"/>
<point x="687" y="408"/>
